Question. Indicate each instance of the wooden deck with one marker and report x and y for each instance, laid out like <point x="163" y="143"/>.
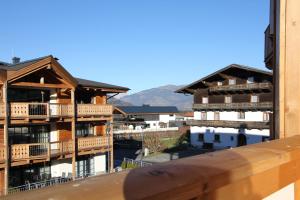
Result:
<point x="250" y="172"/>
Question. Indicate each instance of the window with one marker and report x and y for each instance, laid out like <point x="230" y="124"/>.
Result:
<point x="231" y="138"/>
<point x="231" y="82"/>
<point x="203" y="115"/>
<point x="216" y="116"/>
<point x="241" y="115"/>
<point x="250" y="80"/>
<point x="254" y="98"/>
<point x="204" y="100"/>
<point x="266" y="117"/>
<point x="84" y="129"/>
<point x="228" y="99"/>
<point x="201" y="137"/>
<point x="217" y="138"/>
<point x="219" y="83"/>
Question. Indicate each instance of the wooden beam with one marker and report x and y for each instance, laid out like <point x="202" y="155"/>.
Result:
<point x="73" y="135"/>
<point x="5" y="138"/>
<point x="39" y="85"/>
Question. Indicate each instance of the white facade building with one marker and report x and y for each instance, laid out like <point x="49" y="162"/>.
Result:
<point x="232" y="107"/>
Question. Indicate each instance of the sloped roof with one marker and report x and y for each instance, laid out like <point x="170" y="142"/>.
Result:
<point x="81" y="82"/>
<point x="20" y="65"/>
<point x="89" y="83"/>
<point x="146" y="109"/>
<point x="237" y="66"/>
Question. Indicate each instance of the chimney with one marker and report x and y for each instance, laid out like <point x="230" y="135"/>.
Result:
<point x="15" y="60"/>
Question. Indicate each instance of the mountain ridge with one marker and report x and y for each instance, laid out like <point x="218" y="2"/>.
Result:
<point x="159" y="96"/>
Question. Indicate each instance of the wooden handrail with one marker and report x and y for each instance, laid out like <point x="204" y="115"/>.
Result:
<point x="249" y="172"/>
<point x="229" y="124"/>
<point x="231" y="106"/>
<point x="246" y="86"/>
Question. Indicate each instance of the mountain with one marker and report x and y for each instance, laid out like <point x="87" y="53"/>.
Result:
<point x="160" y="96"/>
<point x="118" y="102"/>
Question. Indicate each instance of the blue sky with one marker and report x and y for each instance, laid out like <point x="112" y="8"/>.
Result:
<point x="140" y="44"/>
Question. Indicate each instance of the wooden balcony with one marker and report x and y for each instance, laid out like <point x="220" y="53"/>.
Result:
<point x="90" y="145"/>
<point x="229" y="124"/>
<point x="241" y="88"/>
<point x="234" y="106"/>
<point x="249" y="172"/>
<point x="94" y="110"/>
<point x="21" y="154"/>
<point x="26" y="153"/>
<point x="54" y="110"/>
<point x="40" y="110"/>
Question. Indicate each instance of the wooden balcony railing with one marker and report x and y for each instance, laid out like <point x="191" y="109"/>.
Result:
<point x="94" y="109"/>
<point x="241" y="87"/>
<point x="30" y="151"/>
<point x="92" y="142"/>
<point x="61" y="109"/>
<point x="250" y="172"/>
<point x="2" y="157"/>
<point x="29" y="109"/>
<point x="234" y="106"/>
<point x="47" y="110"/>
<point x="2" y="111"/>
<point x="229" y="124"/>
<point x="61" y="148"/>
<point x="45" y="151"/>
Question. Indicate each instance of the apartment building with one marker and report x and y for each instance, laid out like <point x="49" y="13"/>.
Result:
<point x="232" y="107"/>
<point x="52" y="124"/>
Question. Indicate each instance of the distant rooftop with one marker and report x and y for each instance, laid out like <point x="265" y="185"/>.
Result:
<point x="147" y="109"/>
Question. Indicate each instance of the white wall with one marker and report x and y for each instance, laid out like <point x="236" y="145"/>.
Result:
<point x="60" y="166"/>
<point x="100" y="164"/>
<point x="232" y="116"/>
<point x="228" y="136"/>
<point x="166" y="118"/>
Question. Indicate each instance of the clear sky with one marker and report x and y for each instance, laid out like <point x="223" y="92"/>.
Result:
<point x="140" y="44"/>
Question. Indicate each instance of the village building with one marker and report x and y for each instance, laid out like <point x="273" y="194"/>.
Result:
<point x="232" y="107"/>
<point x="146" y="117"/>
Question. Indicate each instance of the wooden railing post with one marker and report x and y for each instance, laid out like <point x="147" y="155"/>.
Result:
<point x="73" y="134"/>
<point x="49" y="151"/>
<point x="5" y="137"/>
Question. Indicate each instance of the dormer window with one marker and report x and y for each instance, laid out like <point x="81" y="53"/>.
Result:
<point x="250" y="80"/>
<point x="219" y="83"/>
<point x="232" y="81"/>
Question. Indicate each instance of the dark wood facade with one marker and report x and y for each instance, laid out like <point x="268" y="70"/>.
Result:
<point x="240" y="84"/>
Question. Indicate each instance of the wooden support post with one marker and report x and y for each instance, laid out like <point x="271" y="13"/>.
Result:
<point x="111" y="149"/>
<point x="73" y="134"/>
<point x="6" y="147"/>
